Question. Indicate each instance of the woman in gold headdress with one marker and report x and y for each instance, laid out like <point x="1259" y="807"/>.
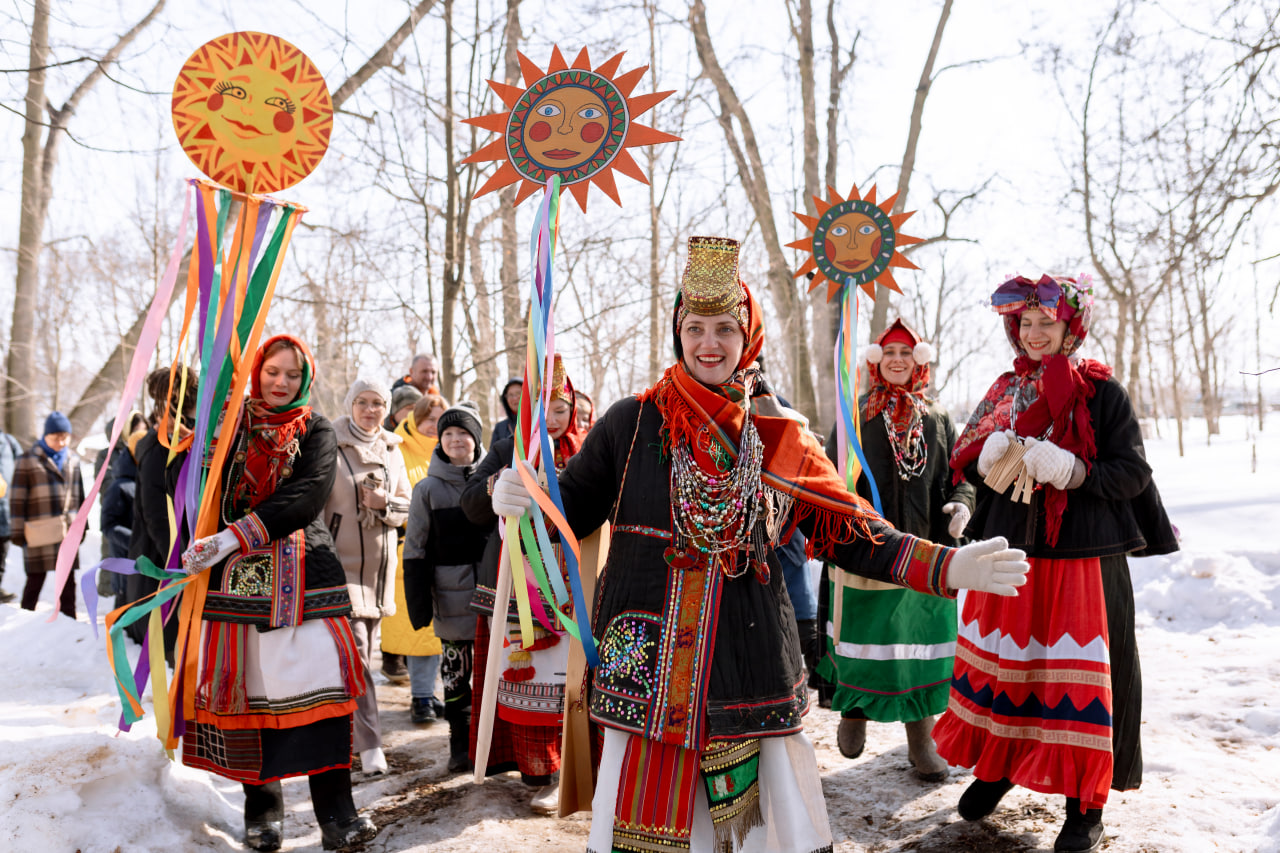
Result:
<point x="700" y="686"/>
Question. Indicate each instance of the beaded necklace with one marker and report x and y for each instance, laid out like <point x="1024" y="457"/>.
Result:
<point x="713" y="514"/>
<point x="909" y="453"/>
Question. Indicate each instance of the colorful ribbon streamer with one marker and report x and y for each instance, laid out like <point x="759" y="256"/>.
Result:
<point x="531" y="531"/>
<point x="230" y="285"/>
<point x="849" y="425"/>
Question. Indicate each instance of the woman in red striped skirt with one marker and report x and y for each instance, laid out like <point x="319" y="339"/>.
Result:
<point x="1047" y="691"/>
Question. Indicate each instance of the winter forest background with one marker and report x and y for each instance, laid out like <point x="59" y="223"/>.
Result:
<point x="1135" y="140"/>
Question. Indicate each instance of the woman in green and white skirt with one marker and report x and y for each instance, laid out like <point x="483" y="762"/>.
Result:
<point x="889" y="650"/>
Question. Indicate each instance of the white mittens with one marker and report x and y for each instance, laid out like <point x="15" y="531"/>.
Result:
<point x="510" y="497"/>
<point x="960" y="516"/>
<point x="989" y="566"/>
<point x="1048" y="463"/>
<point x="997" y="443"/>
<point x="209" y="551"/>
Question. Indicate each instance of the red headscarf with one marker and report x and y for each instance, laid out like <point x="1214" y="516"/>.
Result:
<point x="272" y="437"/>
<point x="901" y="400"/>
<point x="711" y="419"/>
<point x="1050" y="396"/>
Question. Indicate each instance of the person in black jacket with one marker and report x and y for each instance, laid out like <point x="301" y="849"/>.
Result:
<point x="1047" y="690"/>
<point x="279" y="674"/>
<point x="700" y="686"/>
<point x="891" y="651"/>
<point x="155" y="481"/>
<point x="510" y="400"/>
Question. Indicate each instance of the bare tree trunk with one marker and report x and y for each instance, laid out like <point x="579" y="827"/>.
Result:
<point x="513" y="327"/>
<point x="481" y="328"/>
<point x="453" y="226"/>
<point x="37" y="191"/>
<point x="751" y="172"/>
<point x="106" y="383"/>
<point x="827" y="314"/>
<point x="656" y="335"/>
<point x="880" y="313"/>
<point x="20" y="415"/>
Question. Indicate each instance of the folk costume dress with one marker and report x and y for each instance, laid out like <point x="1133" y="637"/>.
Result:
<point x="531" y="690"/>
<point x="700" y="688"/>
<point x="278" y="671"/>
<point x="889" y="651"/>
<point x="1047" y="689"/>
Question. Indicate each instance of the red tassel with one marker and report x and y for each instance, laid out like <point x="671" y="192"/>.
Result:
<point x="523" y="674"/>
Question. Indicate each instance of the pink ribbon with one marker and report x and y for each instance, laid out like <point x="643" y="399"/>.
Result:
<point x="132" y="385"/>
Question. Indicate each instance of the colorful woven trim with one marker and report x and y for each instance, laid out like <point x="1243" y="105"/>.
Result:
<point x="287" y="596"/>
<point x="677" y="708"/>
<point x="641" y="530"/>
<point x="251" y="532"/>
<point x="731" y="776"/>
<point x="654" y="810"/>
<point x="320" y="603"/>
<point x="922" y="565"/>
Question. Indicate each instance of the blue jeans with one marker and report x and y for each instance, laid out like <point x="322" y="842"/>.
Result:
<point x="423" y="672"/>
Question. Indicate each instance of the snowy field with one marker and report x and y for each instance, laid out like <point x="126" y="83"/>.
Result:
<point x="1208" y="630"/>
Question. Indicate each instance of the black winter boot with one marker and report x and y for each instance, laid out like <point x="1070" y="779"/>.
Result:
<point x="1081" y="832"/>
<point x="981" y="798"/>
<point x="459" y="739"/>
<point x="263" y="816"/>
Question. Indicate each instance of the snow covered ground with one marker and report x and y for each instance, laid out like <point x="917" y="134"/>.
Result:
<point x="1208" y="629"/>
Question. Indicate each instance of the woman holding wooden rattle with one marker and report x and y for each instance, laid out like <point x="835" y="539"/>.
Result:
<point x="1047" y="691"/>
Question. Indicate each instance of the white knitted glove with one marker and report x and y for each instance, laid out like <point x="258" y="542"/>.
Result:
<point x="1048" y="463"/>
<point x="997" y="443"/>
<point x="209" y="551"/>
<point x="510" y="497"/>
<point x="988" y="566"/>
<point x="960" y="516"/>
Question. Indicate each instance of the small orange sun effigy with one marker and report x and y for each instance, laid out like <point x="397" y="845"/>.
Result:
<point x="854" y="241"/>
<point x="574" y="121"/>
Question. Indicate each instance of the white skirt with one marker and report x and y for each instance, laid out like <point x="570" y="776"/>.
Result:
<point x="791" y="801"/>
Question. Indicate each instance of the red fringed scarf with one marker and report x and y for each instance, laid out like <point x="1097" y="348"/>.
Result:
<point x="711" y="421"/>
<point x="272" y="433"/>
<point x="1055" y="393"/>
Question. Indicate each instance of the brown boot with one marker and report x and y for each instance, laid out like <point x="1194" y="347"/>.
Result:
<point x="921" y="752"/>
<point x="851" y="736"/>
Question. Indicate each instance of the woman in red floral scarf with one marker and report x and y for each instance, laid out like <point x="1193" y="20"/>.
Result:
<point x="1047" y="690"/>
<point x="700" y="688"/>
<point x="278" y="670"/>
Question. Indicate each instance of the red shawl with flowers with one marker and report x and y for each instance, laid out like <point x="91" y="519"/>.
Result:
<point x="272" y="433"/>
<point x="1055" y="394"/>
<point x="711" y="421"/>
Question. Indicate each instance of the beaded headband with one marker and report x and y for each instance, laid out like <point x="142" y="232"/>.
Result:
<point x="710" y="284"/>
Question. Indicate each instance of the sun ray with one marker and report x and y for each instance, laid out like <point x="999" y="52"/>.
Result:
<point x="604" y="180"/>
<point x="627" y="165"/>
<point x="853" y="241"/>
<point x="580" y="135"/>
<point x="579" y="191"/>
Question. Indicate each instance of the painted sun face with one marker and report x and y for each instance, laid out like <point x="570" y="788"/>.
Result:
<point x="252" y="112"/>
<point x="853" y="242"/>
<point x="565" y="128"/>
<point x="570" y="122"/>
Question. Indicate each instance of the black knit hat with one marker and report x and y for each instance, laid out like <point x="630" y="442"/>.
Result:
<point x="464" y="415"/>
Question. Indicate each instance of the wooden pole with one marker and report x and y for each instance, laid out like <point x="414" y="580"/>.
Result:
<point x="493" y="668"/>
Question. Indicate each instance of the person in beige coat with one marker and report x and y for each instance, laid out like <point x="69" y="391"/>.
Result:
<point x="370" y="499"/>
